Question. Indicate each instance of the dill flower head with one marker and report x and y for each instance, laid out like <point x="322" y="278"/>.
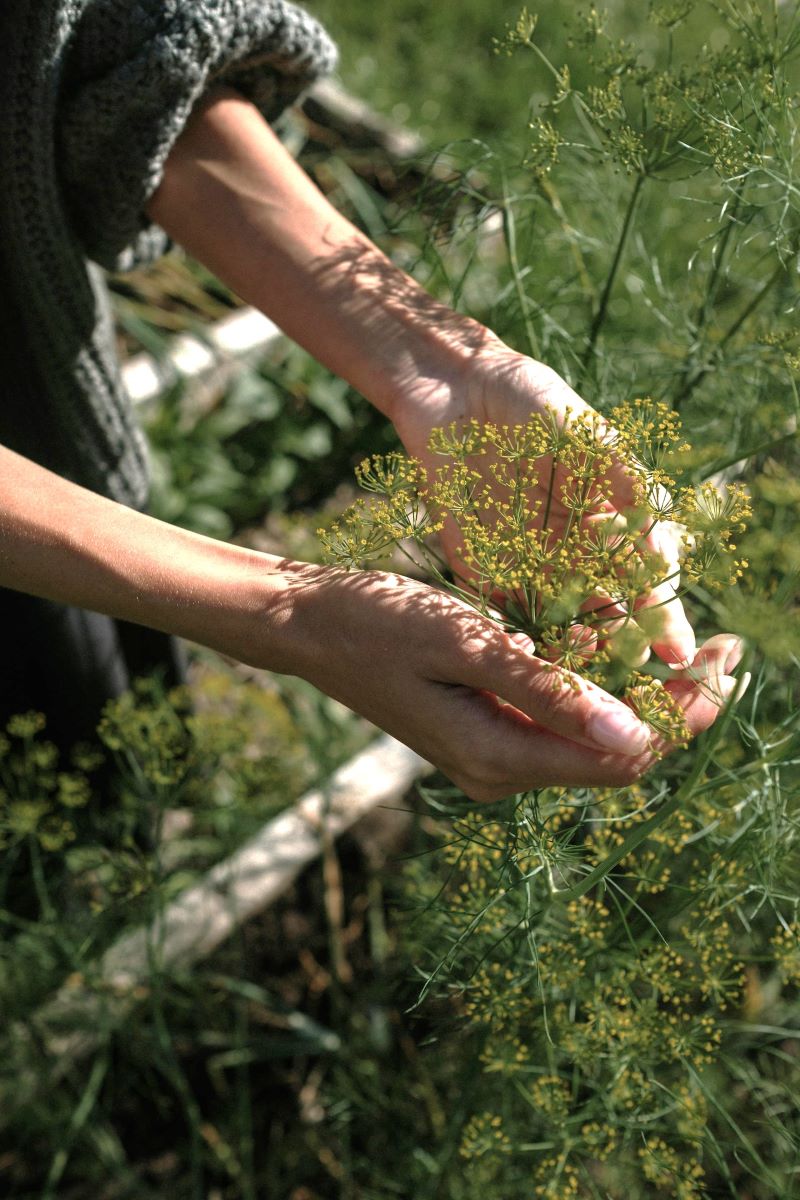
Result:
<point x="560" y="534"/>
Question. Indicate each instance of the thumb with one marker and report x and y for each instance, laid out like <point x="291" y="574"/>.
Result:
<point x="557" y="699"/>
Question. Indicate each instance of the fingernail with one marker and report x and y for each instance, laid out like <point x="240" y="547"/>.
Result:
<point x="712" y="664"/>
<point x="679" y="658"/>
<point x="722" y="687"/>
<point x="734" y="655"/>
<point x="619" y="730"/>
<point x="721" y="653"/>
<point x="744" y="684"/>
<point x="727" y="687"/>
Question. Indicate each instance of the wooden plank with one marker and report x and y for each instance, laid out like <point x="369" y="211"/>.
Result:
<point x="85" y="1009"/>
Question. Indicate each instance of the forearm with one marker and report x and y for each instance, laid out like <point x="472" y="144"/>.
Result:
<point x="64" y="543"/>
<point x="234" y="197"/>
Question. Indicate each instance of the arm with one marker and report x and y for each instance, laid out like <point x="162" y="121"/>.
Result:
<point x="411" y="659"/>
<point x="235" y="198"/>
<point x="414" y="661"/>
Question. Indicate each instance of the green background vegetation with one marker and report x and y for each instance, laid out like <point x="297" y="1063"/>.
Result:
<point x="295" y="1063"/>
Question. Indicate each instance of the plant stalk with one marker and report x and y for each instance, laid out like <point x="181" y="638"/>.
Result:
<point x="640" y="834"/>
<point x="696" y="378"/>
<point x="602" y="309"/>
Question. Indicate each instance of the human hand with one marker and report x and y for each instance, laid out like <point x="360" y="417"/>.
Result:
<point x="235" y="199"/>
<point x="470" y="698"/>
<point x="496" y="385"/>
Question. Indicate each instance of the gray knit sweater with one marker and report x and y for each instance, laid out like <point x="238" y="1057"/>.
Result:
<point x="93" y="94"/>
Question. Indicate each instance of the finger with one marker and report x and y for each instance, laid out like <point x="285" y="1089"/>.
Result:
<point x="527" y="755"/>
<point x="617" y="632"/>
<point x="557" y="699"/>
<point x="666" y="625"/>
<point x="566" y="764"/>
<point x="702" y="700"/>
<point x="627" y="644"/>
<point x="721" y="653"/>
<point x="510" y="753"/>
<point x="583" y="641"/>
<point x="714" y="662"/>
<point x="533" y="756"/>
<point x="661" y="616"/>
<point x="665" y="622"/>
<point x="701" y="703"/>
<point x="673" y="637"/>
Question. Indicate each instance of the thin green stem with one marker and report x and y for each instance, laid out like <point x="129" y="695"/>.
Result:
<point x="765" y="447"/>
<point x="693" y="381"/>
<point x="703" y="315"/>
<point x="39" y="881"/>
<point x="750" y="308"/>
<point x="602" y="309"/>
<point x="80" y="1116"/>
<point x="732" y="1124"/>
<point x="642" y="832"/>
<point x="716" y="269"/>
<point x="510" y="237"/>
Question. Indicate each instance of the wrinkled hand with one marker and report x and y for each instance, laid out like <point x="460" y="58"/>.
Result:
<point x="500" y="386"/>
<point x="450" y="683"/>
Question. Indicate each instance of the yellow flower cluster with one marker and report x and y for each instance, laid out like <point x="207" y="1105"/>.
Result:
<point x="599" y="1138"/>
<point x="498" y="998"/>
<point x="552" y="1096"/>
<point x="37" y="800"/>
<point x="786" y="944"/>
<point x="558" y="531"/>
<point x="484" y="1134"/>
<point x="556" y="1179"/>
<point x="557" y="527"/>
<point x="626" y="1031"/>
<point x="664" y="1167"/>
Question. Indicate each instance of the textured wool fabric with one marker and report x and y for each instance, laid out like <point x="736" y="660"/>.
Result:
<point x="93" y="94"/>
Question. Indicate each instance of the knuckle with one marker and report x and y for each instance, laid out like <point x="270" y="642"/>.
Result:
<point x="480" y="772"/>
<point x="474" y="788"/>
<point x="553" y="696"/>
<point x="458" y="645"/>
<point x="464" y="652"/>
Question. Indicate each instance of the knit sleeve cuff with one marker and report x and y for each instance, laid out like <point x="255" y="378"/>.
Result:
<point x="134" y="71"/>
